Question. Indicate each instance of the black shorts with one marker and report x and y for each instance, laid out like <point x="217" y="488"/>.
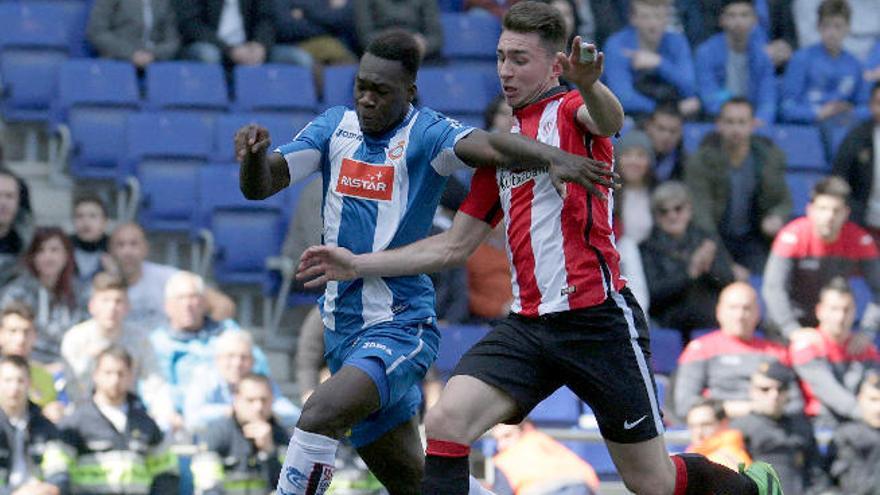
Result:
<point x="601" y="353"/>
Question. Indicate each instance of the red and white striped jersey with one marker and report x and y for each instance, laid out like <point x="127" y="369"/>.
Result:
<point x="562" y="253"/>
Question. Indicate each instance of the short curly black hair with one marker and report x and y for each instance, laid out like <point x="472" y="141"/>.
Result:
<point x="399" y="45"/>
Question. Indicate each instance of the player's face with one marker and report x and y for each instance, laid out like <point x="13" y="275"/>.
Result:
<point x="108" y="307"/>
<point x="702" y="424"/>
<point x="738" y="19"/>
<point x="649" y="20"/>
<point x="382" y="94"/>
<point x="738" y="312"/>
<point x="832" y="31"/>
<point x="869" y="404"/>
<point x="51" y="258"/>
<point x="253" y="402"/>
<point x="768" y="396"/>
<point x="112" y="378"/>
<point x="17" y="335"/>
<point x="827" y="214"/>
<point x="836" y="313"/>
<point x="735" y="124"/>
<point x="14" y="384"/>
<point x="526" y="67"/>
<point x="665" y="132"/>
<point x="89" y="222"/>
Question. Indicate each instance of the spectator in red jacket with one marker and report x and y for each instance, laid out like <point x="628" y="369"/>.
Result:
<point x="720" y="364"/>
<point x="830" y="372"/>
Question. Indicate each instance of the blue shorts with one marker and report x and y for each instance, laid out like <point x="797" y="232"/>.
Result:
<point x="396" y="355"/>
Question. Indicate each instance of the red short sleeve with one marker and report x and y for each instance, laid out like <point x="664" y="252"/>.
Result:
<point x="483" y="201"/>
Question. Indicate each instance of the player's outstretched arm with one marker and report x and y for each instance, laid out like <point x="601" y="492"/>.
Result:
<point x="321" y="264"/>
<point x="517" y="152"/>
<point x="602" y="112"/>
<point x="260" y="175"/>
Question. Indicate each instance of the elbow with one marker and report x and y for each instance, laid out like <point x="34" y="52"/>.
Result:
<point x="252" y="193"/>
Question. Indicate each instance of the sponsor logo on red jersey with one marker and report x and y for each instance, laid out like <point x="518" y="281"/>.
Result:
<point x="364" y="180"/>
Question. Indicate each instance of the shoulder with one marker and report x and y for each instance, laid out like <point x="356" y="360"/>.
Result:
<point x="858" y="241"/>
<point x="714" y="43"/>
<point x="621" y="39"/>
<point x="794" y="234"/>
<point x="702" y="348"/>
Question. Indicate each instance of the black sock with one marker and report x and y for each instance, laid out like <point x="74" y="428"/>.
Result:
<point x="447" y="471"/>
<point x="705" y="477"/>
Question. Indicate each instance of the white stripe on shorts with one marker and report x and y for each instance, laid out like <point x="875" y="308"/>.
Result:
<point x="640" y="358"/>
<point x="412" y="354"/>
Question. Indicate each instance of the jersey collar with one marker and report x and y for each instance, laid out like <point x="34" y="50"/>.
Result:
<point x="539" y="104"/>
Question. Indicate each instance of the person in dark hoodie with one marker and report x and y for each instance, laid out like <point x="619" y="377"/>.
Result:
<point x="240" y="453"/>
<point x="89" y="237"/>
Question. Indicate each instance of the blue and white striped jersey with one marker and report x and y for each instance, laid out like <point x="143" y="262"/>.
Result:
<point x="379" y="193"/>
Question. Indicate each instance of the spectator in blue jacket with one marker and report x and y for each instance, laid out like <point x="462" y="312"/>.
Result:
<point x="823" y="82"/>
<point x="647" y="64"/>
<point x="734" y="63"/>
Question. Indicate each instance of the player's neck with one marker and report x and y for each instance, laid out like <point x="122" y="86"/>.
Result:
<point x="541" y="93"/>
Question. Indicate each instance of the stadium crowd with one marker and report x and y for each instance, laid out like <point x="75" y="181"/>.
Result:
<point x="109" y="359"/>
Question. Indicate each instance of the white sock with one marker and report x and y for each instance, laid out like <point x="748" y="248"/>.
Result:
<point x="308" y="467"/>
<point x="475" y="488"/>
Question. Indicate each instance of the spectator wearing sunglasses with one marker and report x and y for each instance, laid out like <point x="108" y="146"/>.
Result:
<point x="685" y="266"/>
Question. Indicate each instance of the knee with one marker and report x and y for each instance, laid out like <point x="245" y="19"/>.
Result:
<point x="204" y="52"/>
<point x="651" y="482"/>
<point x="318" y="417"/>
<point x="446" y="423"/>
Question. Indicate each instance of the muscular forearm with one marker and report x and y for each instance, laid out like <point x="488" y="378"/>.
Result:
<point x="517" y="152"/>
<point x="604" y="109"/>
<point x="255" y="178"/>
<point x="436" y="253"/>
<point x="430" y="255"/>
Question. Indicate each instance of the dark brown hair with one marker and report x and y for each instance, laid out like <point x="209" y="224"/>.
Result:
<point x="63" y="289"/>
<point x="834" y="8"/>
<point x="831" y="186"/>
<point x="540" y="18"/>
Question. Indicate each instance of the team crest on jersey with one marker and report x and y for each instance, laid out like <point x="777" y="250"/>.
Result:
<point x="365" y="180"/>
<point x="396" y="152"/>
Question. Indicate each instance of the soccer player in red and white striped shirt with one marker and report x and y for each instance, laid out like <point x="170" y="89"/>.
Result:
<point x="573" y="320"/>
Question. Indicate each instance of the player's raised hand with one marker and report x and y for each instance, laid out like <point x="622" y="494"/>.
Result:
<point x="591" y="174"/>
<point x="321" y="264"/>
<point x="251" y="141"/>
<point x="582" y="71"/>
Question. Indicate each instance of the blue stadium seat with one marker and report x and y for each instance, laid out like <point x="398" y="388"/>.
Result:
<point x="339" y="85"/>
<point x="282" y="128"/>
<point x="455" y="341"/>
<point x="450" y="5"/>
<point x="243" y="239"/>
<point x="800" y="183"/>
<point x="34" y="42"/>
<point x="218" y="188"/>
<point x="95" y="98"/>
<point x="693" y="134"/>
<point x="666" y="345"/>
<point x="802" y="145"/>
<point x="454" y="90"/>
<point x="562" y="408"/>
<point x="469" y="36"/>
<point x="187" y="86"/>
<point x="165" y="153"/>
<point x="168" y="194"/>
<point x="275" y="88"/>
